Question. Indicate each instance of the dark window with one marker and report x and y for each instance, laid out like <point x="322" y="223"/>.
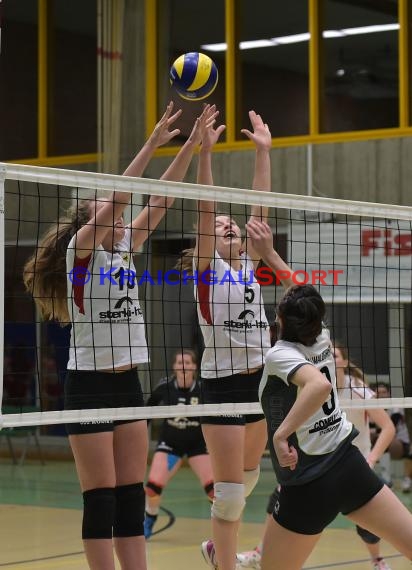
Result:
<point x="187" y="26"/>
<point x="274" y="79"/>
<point x="360" y="65"/>
<point x="18" y="78"/>
<point x="72" y="77"/>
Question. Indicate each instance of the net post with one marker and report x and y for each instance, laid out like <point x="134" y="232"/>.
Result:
<point x="2" y="242"/>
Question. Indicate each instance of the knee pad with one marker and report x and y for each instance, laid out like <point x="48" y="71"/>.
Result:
<point x="209" y="490"/>
<point x="98" y="513"/>
<point x="152" y="489"/>
<point x="250" y="479"/>
<point x="273" y="499"/>
<point x="229" y="501"/>
<point x="129" y="515"/>
<point x="367" y="536"/>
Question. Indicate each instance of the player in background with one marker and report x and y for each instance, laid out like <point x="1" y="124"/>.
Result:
<point x="351" y="385"/>
<point x="179" y="437"/>
<point x="400" y="447"/>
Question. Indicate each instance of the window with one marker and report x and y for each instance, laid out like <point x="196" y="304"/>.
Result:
<point x="361" y="71"/>
<point x="274" y="78"/>
<point x="18" y="76"/>
<point x="72" y="75"/>
<point x="48" y="73"/>
<point x="184" y="26"/>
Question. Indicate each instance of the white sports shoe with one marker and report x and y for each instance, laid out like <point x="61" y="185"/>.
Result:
<point x="380" y="564"/>
<point x="249" y="559"/>
<point x="209" y="554"/>
<point x="406" y="485"/>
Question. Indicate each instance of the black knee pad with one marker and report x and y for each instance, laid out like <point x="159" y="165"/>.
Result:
<point x="98" y="513"/>
<point x="129" y="516"/>
<point x="272" y="501"/>
<point x="152" y="489"/>
<point x="209" y="490"/>
<point x="367" y="536"/>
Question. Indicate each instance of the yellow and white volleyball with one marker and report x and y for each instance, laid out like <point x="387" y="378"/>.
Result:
<point x="194" y="76"/>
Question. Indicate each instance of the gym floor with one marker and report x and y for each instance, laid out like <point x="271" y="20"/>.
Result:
<point x="40" y="521"/>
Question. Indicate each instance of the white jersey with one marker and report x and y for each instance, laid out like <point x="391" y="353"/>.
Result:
<point x="107" y="321"/>
<point x="321" y="439"/>
<point x="358" y="417"/>
<point x="232" y="318"/>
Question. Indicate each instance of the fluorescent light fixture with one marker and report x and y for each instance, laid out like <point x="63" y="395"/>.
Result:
<point x="333" y="34"/>
<point x="215" y="47"/>
<point x="370" y="29"/>
<point x="298" y="38"/>
<point x="295" y="39"/>
<point x="252" y="44"/>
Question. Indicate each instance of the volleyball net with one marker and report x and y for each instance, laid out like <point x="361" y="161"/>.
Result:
<point x="358" y="254"/>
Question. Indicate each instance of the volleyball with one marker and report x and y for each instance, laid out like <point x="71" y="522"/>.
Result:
<point x="194" y="76"/>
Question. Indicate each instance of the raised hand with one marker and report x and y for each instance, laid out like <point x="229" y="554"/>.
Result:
<point x="261" y="237"/>
<point x="206" y="119"/>
<point x="261" y="135"/>
<point x="161" y="134"/>
<point x="210" y="135"/>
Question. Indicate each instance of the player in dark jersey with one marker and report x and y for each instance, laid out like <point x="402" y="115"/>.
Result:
<point x="179" y="436"/>
<point x="310" y="439"/>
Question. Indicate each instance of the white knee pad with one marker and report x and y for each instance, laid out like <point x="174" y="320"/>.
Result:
<point x="250" y="479"/>
<point x="229" y="501"/>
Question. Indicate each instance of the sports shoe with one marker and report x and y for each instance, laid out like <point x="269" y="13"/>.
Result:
<point x="380" y="564"/>
<point x="249" y="559"/>
<point x="149" y="521"/>
<point x="209" y="554"/>
<point x="406" y="485"/>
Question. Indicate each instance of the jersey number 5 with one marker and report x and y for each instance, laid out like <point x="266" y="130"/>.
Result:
<point x="249" y="294"/>
<point x="330" y="405"/>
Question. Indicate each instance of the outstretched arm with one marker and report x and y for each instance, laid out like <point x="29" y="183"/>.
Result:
<point x="205" y="244"/>
<point x="261" y="237"/>
<point x="104" y="214"/>
<point x="161" y="135"/>
<point x="262" y="138"/>
<point x="149" y="218"/>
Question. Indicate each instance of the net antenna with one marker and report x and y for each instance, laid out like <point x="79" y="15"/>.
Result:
<point x="309" y="241"/>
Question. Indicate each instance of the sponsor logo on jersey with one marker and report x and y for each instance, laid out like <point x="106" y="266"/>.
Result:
<point x="245" y="321"/>
<point x="327" y="424"/>
<point x="320" y="357"/>
<point x="124" y="313"/>
<point x="183" y="423"/>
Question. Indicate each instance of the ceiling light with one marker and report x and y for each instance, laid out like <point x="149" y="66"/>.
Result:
<point x="304" y="37"/>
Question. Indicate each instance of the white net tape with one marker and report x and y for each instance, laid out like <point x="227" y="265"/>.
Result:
<point x="83" y="182"/>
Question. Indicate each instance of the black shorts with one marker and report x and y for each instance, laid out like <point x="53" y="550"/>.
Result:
<point x="238" y="388"/>
<point x="346" y="486"/>
<point x="198" y="448"/>
<point x="88" y="389"/>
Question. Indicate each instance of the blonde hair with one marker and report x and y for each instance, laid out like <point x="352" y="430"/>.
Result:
<point x="352" y="370"/>
<point x="185" y="261"/>
<point x="45" y="274"/>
